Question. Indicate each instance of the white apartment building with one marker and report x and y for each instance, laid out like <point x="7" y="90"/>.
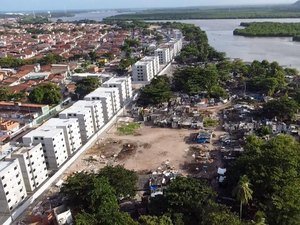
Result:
<point x="163" y="54"/>
<point x="142" y="71"/>
<point x="33" y="165"/>
<point x="53" y="143"/>
<point x="106" y="101"/>
<point x="121" y="87"/>
<point x="124" y="85"/>
<point x="113" y="92"/>
<point x="71" y="132"/>
<point x="12" y="186"/>
<point x="155" y="63"/>
<point x="176" y="45"/>
<point x="85" y="119"/>
<point x="97" y="112"/>
<point x="177" y="34"/>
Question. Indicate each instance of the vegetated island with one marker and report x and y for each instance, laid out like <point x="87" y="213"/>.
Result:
<point x="269" y="29"/>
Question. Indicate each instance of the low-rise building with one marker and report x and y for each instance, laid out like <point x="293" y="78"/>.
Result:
<point x="12" y="186"/>
<point x="53" y="143"/>
<point x="8" y="127"/>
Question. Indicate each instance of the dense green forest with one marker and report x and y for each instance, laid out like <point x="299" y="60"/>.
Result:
<point x="283" y="11"/>
<point x="269" y="29"/>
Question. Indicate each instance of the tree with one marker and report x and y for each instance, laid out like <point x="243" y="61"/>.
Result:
<point x="122" y="180"/>
<point x="243" y="192"/>
<point x="84" y="218"/>
<point x="158" y="91"/>
<point x="51" y="59"/>
<point x="189" y="197"/>
<point x="46" y="94"/>
<point x="77" y="189"/>
<point x="221" y="216"/>
<point x="4" y="94"/>
<point x="264" y="130"/>
<point x="194" y="80"/>
<point x="273" y="167"/>
<point x="154" y="220"/>
<point x="96" y="199"/>
<point x="284" y="206"/>
<point x="86" y="86"/>
<point x="218" y="92"/>
<point x="283" y="108"/>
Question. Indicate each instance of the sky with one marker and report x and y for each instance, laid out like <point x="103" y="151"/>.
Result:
<point x="22" y="5"/>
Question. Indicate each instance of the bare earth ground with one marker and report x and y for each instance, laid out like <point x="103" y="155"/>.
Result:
<point x="147" y="150"/>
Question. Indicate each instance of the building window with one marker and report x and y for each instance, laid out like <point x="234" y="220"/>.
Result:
<point x="15" y="168"/>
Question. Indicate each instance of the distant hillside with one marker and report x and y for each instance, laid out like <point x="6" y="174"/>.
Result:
<point x="297" y="4"/>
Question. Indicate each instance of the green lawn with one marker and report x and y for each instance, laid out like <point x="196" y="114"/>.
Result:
<point x="208" y="122"/>
<point x="128" y="128"/>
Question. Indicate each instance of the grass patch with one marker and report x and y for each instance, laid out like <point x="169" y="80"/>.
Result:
<point x="208" y="122"/>
<point x="128" y="128"/>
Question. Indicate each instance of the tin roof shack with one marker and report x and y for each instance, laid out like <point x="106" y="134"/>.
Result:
<point x="158" y="181"/>
<point x="203" y="137"/>
<point x="63" y="215"/>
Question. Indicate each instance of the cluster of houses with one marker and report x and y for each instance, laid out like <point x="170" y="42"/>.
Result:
<point x="25" y="166"/>
<point x="25" y="41"/>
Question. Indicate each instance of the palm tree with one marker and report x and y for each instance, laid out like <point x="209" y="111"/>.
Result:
<point x="243" y="192"/>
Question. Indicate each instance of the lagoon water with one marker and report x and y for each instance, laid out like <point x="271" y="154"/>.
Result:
<point x="220" y="35"/>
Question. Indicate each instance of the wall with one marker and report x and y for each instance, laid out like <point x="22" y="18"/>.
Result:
<point x="67" y="164"/>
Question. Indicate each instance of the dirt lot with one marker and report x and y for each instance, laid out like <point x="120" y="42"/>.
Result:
<point x="148" y="150"/>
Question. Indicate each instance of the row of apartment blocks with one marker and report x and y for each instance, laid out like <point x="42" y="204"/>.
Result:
<point x="148" y="67"/>
<point x="24" y="167"/>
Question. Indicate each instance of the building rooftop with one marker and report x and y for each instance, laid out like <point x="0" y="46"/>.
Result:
<point x="82" y="103"/>
<point x="76" y="109"/>
<point x="24" y="149"/>
<point x="5" y="164"/>
<point x="60" y="122"/>
<point x="142" y="63"/>
<point x="44" y="132"/>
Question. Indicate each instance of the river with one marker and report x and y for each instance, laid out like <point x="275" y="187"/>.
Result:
<point x="96" y="15"/>
<point x="220" y="35"/>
